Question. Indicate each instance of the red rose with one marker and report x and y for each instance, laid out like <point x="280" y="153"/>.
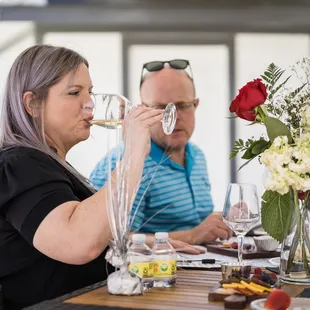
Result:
<point x="250" y="96"/>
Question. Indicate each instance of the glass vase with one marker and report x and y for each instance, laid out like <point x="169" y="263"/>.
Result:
<point x="109" y="113"/>
<point x="295" y="253"/>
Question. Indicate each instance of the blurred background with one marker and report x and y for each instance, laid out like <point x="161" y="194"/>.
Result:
<point x="228" y="43"/>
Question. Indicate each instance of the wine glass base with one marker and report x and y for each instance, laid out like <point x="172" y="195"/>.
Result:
<point x="169" y="118"/>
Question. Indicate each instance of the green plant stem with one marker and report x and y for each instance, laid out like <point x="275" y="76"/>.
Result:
<point x="300" y="237"/>
<point x="307" y="247"/>
<point x="294" y="245"/>
<point x="292" y="252"/>
<point x="305" y="259"/>
<point x="304" y="242"/>
<point x="306" y="238"/>
<point x="261" y="113"/>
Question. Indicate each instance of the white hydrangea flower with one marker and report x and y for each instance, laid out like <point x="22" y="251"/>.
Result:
<point x="289" y="166"/>
<point x="298" y="168"/>
<point x="280" y="141"/>
<point x="276" y="183"/>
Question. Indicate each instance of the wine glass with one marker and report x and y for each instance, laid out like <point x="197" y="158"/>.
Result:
<point x="111" y="109"/>
<point x="241" y="211"/>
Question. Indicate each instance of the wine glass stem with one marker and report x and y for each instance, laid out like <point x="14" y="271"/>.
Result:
<point x="240" y="239"/>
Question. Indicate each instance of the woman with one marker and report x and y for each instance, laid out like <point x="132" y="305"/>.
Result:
<point x="53" y="228"/>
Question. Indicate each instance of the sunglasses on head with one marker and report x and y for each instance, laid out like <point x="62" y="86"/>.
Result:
<point x="178" y="64"/>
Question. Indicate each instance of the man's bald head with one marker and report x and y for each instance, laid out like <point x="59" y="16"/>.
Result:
<point x="167" y="84"/>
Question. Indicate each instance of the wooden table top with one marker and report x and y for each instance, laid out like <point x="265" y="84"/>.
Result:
<point x="191" y="292"/>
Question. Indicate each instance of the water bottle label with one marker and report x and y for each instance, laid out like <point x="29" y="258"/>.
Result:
<point x="165" y="268"/>
<point x="144" y="270"/>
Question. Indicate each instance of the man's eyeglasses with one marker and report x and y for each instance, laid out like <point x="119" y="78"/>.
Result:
<point x="180" y="106"/>
<point x="178" y="64"/>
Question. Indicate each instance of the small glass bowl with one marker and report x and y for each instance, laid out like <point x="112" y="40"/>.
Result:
<point x="235" y="270"/>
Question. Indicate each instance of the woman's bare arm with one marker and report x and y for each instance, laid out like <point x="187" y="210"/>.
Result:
<point x="78" y="232"/>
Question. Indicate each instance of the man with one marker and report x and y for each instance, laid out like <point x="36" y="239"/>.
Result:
<point x="174" y="195"/>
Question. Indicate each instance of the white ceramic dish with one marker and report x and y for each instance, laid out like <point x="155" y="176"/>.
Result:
<point x="296" y="304"/>
<point x="266" y="243"/>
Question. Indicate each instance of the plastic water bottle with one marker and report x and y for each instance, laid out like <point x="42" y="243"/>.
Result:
<point x="165" y="265"/>
<point x="141" y="260"/>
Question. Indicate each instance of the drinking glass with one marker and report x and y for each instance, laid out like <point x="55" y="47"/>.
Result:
<point x="111" y="109"/>
<point x="241" y="211"/>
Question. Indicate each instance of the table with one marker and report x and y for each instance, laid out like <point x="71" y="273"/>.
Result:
<point x="191" y="292"/>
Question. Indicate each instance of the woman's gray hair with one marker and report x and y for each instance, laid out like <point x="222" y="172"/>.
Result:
<point x="36" y="69"/>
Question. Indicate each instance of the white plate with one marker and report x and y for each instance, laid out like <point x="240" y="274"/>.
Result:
<point x="274" y="261"/>
<point x="259" y="231"/>
<point x="297" y="303"/>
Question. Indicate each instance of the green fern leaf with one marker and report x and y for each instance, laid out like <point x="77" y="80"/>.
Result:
<point x="297" y="90"/>
<point x="277" y="75"/>
<point x="266" y="79"/>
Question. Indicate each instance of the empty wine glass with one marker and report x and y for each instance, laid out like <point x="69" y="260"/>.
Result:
<point x="241" y="211"/>
<point x="111" y="109"/>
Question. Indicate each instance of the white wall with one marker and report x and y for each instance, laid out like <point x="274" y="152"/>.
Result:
<point x="210" y="69"/>
<point x="254" y="52"/>
<point x="23" y="2"/>
<point x="103" y="52"/>
<point x="15" y="37"/>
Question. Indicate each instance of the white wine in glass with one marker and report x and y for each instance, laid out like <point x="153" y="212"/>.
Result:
<point x="241" y="211"/>
<point x="111" y="124"/>
<point x="111" y="109"/>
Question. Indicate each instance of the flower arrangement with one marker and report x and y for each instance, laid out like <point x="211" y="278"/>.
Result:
<point x="285" y="152"/>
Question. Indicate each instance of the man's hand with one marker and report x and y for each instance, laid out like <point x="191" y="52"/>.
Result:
<point x="210" y="229"/>
<point x="178" y="245"/>
<point x="184" y="247"/>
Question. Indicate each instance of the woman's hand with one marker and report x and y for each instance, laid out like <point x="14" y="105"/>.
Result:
<point x="136" y="127"/>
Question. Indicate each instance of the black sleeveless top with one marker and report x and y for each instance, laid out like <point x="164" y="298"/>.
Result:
<point x="31" y="185"/>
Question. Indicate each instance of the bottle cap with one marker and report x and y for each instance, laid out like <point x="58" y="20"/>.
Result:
<point x="138" y="237"/>
<point x="161" y="235"/>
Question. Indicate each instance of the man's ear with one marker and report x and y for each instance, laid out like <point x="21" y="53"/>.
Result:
<point x="29" y="104"/>
<point x="196" y="102"/>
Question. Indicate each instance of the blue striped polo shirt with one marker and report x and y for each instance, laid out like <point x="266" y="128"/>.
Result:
<point x="176" y="198"/>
